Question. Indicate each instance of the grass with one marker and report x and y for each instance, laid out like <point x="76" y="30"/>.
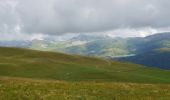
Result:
<point x="26" y="63"/>
<point x="37" y="75"/>
<point x="30" y="89"/>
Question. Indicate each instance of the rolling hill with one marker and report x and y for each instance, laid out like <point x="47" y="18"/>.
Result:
<point x="38" y="75"/>
<point x="50" y="65"/>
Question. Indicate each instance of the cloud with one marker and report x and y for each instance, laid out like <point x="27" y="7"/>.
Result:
<point x="132" y="32"/>
<point x="81" y="16"/>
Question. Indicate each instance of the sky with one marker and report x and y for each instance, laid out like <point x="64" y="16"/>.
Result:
<point x="29" y="19"/>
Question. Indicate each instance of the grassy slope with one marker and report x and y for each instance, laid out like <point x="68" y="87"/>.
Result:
<point x="48" y="65"/>
<point x="28" y="89"/>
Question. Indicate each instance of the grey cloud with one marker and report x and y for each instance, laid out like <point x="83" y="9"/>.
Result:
<point x="8" y="18"/>
<point x="76" y="16"/>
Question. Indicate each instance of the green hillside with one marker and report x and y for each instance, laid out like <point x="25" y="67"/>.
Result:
<point x="49" y="65"/>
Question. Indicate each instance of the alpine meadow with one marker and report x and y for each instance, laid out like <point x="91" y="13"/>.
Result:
<point x="84" y="50"/>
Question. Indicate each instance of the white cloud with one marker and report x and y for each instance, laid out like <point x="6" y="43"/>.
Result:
<point x="138" y="32"/>
<point x="56" y="17"/>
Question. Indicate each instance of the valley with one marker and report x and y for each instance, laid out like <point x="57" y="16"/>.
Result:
<point x="140" y="50"/>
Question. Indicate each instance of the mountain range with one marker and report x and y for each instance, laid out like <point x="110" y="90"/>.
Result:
<point x="151" y="51"/>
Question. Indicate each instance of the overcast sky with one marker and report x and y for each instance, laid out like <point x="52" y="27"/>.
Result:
<point x="33" y="18"/>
